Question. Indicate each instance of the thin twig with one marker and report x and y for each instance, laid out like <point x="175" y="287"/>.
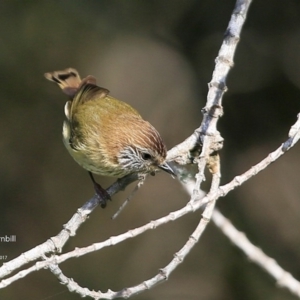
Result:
<point x="256" y="255"/>
<point x="56" y="243"/>
<point x="193" y="205"/>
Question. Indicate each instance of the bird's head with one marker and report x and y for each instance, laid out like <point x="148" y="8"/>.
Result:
<point x="144" y="150"/>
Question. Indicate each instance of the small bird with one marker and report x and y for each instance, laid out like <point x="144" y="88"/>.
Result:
<point x="104" y="135"/>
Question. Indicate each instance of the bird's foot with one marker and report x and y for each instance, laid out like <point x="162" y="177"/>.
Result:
<point x="103" y="195"/>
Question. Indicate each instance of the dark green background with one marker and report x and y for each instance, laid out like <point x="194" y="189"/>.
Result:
<point x="158" y="56"/>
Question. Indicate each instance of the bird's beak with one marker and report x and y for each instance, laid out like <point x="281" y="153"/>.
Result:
<point x="165" y="167"/>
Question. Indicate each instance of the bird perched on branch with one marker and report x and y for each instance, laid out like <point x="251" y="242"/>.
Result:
<point x="104" y="135"/>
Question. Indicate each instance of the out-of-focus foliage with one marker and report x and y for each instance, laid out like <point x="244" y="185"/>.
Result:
<point x="159" y="57"/>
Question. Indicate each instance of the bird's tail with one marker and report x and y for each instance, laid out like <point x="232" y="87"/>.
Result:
<point x="69" y="80"/>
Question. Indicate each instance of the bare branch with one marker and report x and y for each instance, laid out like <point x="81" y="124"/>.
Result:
<point x="238" y="238"/>
<point x="182" y="153"/>
<point x="202" y="148"/>
<point x="193" y="205"/>
<point x="56" y="243"/>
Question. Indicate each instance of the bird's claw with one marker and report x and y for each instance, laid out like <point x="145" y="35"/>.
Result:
<point x="103" y="195"/>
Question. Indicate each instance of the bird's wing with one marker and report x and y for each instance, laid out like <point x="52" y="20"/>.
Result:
<point x="89" y="92"/>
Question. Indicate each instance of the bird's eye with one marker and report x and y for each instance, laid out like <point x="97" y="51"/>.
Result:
<point x="146" y="156"/>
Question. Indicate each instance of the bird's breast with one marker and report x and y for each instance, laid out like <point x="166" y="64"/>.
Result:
<point x="91" y="155"/>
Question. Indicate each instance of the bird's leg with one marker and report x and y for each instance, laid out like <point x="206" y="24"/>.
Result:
<point x="100" y="191"/>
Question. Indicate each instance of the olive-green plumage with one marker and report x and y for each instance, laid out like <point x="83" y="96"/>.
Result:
<point x="104" y="135"/>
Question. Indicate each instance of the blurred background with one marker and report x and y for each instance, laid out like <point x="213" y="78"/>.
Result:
<point x="158" y="56"/>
